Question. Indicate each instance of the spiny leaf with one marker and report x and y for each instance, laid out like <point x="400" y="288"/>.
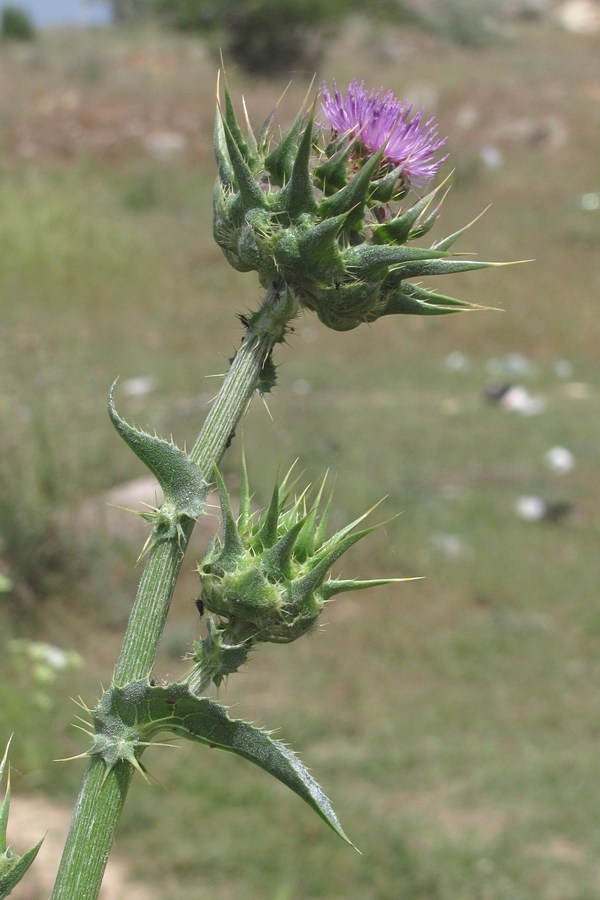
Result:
<point x="172" y="708"/>
<point x="180" y="478"/>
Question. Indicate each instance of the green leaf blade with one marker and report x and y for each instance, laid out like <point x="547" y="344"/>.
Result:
<point x="173" y="708"/>
<point x="179" y="477"/>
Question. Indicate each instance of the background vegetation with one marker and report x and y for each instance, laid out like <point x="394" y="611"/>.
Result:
<point x="451" y="720"/>
<point x="271" y="37"/>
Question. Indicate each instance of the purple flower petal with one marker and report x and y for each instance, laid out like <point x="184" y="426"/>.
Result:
<point x="378" y="120"/>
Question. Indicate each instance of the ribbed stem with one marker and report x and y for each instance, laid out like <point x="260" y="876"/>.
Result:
<point x="103" y="793"/>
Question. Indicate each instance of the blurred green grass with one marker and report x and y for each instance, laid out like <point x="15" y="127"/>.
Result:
<point x="450" y="720"/>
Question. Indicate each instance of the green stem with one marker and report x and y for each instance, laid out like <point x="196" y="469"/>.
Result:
<point x="103" y="792"/>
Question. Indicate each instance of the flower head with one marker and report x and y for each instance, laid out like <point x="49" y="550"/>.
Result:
<point x="380" y="120"/>
<point x="322" y="220"/>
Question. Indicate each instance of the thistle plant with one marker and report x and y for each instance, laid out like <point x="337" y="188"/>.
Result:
<point x="328" y="215"/>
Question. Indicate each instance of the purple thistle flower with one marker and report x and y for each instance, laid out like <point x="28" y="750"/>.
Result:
<point x="380" y="120"/>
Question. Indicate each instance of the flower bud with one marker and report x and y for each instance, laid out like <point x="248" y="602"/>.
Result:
<point x="266" y="578"/>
